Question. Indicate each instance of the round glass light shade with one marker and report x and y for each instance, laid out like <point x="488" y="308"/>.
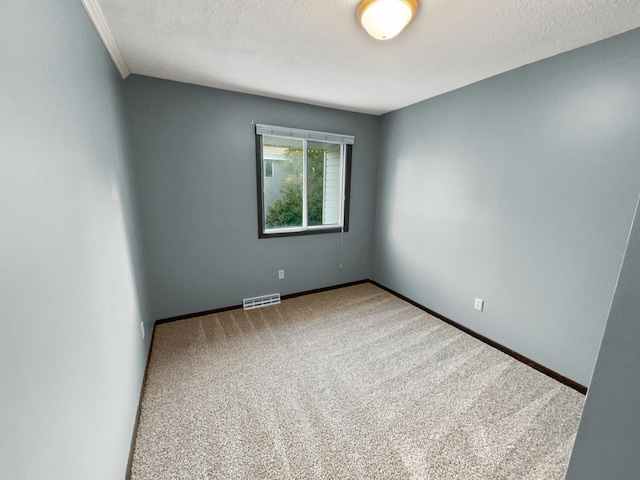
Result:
<point x="384" y="19"/>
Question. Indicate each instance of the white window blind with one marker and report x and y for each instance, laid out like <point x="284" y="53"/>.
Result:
<point x="306" y="134"/>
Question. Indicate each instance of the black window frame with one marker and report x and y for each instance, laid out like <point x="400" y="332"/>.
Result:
<point x="315" y="231"/>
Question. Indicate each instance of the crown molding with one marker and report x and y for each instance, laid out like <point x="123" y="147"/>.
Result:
<point x="99" y="22"/>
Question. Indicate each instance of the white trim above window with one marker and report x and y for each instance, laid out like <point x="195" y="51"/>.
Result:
<point x="304" y="134"/>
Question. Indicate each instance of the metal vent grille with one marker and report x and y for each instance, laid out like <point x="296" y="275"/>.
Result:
<point x="262" y="301"/>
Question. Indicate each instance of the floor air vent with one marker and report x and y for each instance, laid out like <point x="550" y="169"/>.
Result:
<point x="262" y="301"/>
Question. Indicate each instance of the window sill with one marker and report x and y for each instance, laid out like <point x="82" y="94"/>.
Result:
<point x="295" y="233"/>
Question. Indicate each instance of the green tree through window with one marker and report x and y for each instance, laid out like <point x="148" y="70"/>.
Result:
<point x="287" y="210"/>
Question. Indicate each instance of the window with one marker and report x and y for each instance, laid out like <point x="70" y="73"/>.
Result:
<point x="303" y="181"/>
<point x="268" y="168"/>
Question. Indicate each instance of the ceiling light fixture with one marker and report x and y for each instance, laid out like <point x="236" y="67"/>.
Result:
<point x="384" y="19"/>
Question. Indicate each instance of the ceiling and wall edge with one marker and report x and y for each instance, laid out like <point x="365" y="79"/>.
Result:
<point x="97" y="18"/>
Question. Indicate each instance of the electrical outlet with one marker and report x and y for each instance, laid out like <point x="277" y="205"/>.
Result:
<point x="479" y="304"/>
<point x="280" y="274"/>
<point x="142" y="329"/>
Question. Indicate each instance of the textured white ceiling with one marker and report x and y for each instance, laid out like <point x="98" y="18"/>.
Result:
<point x="316" y="52"/>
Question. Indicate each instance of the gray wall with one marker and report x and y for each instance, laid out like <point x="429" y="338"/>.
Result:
<point x="519" y="190"/>
<point x="71" y="353"/>
<point x="194" y="151"/>
<point x="609" y="435"/>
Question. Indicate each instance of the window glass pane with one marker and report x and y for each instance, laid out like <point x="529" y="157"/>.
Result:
<point x="268" y="168"/>
<point x="283" y="190"/>
<point x="323" y="183"/>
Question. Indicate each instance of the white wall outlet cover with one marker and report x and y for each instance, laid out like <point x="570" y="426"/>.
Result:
<point x="479" y="304"/>
<point x="280" y="274"/>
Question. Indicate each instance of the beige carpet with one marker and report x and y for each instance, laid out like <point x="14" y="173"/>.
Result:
<point x="351" y="383"/>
